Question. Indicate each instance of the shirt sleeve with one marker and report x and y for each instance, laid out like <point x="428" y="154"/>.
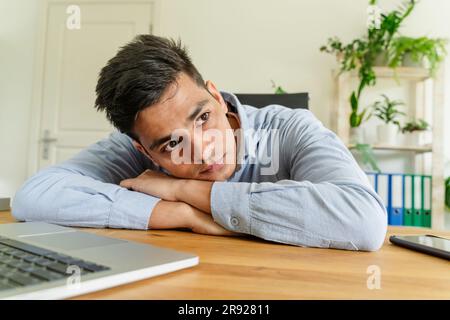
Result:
<point x="83" y="191"/>
<point x="328" y="201"/>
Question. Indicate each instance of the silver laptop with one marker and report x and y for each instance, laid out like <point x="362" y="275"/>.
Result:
<point x="45" y="261"/>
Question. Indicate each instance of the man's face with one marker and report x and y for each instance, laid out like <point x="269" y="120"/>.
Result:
<point x="188" y="133"/>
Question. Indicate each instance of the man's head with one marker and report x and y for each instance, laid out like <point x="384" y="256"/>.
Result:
<point x="152" y="92"/>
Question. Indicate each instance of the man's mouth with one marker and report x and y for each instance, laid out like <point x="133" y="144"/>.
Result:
<point x="213" y="167"/>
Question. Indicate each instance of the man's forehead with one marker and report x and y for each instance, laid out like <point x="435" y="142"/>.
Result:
<point x="179" y="98"/>
<point x="173" y="111"/>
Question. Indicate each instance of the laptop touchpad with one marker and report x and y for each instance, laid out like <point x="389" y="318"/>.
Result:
<point x="72" y="240"/>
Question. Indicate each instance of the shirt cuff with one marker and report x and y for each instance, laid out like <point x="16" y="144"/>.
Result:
<point x="230" y="205"/>
<point x="131" y="210"/>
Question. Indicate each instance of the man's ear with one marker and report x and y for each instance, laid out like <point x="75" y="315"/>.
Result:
<point x="138" y="146"/>
<point x="141" y="149"/>
<point x="216" y="94"/>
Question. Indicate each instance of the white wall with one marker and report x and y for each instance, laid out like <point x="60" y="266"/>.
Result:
<point x="18" y="21"/>
<point x="239" y="44"/>
<point x="431" y="18"/>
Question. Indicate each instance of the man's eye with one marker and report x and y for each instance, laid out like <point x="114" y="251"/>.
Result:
<point x="172" y="144"/>
<point x="203" y="118"/>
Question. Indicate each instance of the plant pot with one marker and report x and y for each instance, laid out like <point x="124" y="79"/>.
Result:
<point x="387" y="134"/>
<point x="408" y="61"/>
<point x="381" y="60"/>
<point x="356" y="135"/>
<point x="413" y="138"/>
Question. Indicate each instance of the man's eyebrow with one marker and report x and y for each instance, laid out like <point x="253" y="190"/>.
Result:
<point x="197" y="110"/>
<point x="191" y="117"/>
<point x="159" y="141"/>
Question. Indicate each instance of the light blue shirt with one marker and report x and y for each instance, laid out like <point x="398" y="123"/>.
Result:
<point x="295" y="183"/>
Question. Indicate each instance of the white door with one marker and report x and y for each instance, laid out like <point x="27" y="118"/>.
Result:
<point x="71" y="54"/>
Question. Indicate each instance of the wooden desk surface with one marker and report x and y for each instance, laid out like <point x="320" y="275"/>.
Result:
<point x="250" y="268"/>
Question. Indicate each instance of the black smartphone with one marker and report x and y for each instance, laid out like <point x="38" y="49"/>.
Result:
<point x="436" y="246"/>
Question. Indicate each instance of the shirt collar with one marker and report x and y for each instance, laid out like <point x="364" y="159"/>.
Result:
<point x="244" y="133"/>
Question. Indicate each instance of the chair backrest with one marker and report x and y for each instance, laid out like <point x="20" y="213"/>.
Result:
<point x="290" y="100"/>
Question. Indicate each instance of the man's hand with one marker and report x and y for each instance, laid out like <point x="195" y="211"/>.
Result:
<point x="154" y="183"/>
<point x="172" y="215"/>
<point x="197" y="193"/>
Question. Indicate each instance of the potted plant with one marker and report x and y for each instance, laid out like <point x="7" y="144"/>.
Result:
<point x="278" y="89"/>
<point x="363" y="53"/>
<point x="387" y="111"/>
<point x="412" y="131"/>
<point x="356" y="119"/>
<point x="417" y="52"/>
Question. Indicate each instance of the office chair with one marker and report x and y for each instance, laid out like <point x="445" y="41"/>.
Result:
<point x="290" y="100"/>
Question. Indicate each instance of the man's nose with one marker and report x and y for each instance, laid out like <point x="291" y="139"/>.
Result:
<point x="203" y="150"/>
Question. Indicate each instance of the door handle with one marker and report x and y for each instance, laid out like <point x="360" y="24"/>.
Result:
<point x="46" y="140"/>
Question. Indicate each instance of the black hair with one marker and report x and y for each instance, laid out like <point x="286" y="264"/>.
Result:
<point x="137" y="76"/>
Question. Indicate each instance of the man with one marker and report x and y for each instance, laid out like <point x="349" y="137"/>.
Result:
<point x="189" y="156"/>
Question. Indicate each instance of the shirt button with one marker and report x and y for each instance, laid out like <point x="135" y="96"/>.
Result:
<point x="234" y="221"/>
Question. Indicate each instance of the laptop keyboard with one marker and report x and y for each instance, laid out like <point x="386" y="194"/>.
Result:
<point x="22" y="264"/>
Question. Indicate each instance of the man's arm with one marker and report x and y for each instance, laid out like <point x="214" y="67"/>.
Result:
<point x="194" y="192"/>
<point x="84" y="191"/>
<point x="327" y="202"/>
<point x="173" y="214"/>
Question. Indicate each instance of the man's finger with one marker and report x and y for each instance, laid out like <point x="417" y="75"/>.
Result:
<point x="126" y="183"/>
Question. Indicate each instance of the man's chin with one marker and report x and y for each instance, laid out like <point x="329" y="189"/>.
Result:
<point x="221" y="174"/>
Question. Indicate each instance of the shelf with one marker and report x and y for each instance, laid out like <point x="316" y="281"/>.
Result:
<point x="416" y="149"/>
<point x="429" y="100"/>
<point x="409" y="73"/>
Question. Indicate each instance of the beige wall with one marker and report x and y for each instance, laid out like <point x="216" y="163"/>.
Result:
<point x="239" y="44"/>
<point x="18" y="21"/>
<point x="242" y="45"/>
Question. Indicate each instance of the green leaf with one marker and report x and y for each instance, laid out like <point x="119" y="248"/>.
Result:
<point x="367" y="156"/>
<point x="280" y="90"/>
<point x="387" y="111"/>
<point x="447" y="192"/>
<point x="354" y="101"/>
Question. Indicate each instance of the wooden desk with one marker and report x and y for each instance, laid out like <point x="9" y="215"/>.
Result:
<point x="249" y="268"/>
